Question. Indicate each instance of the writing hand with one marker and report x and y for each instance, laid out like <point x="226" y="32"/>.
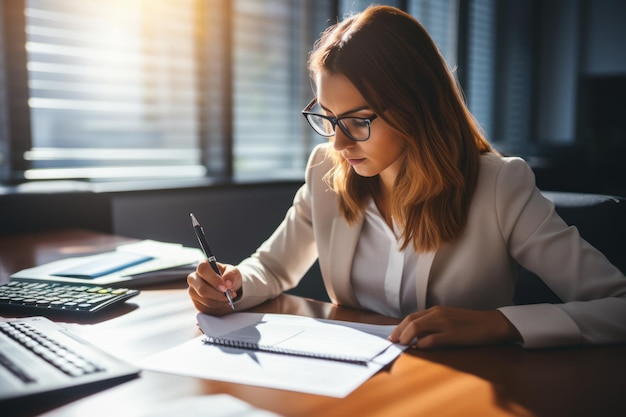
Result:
<point x="206" y="288"/>
<point x="448" y="326"/>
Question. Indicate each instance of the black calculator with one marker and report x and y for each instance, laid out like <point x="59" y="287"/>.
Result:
<point x="60" y="297"/>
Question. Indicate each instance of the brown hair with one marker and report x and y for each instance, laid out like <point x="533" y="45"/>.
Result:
<point x="390" y="58"/>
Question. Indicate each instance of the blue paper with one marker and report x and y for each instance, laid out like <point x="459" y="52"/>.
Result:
<point x="107" y="264"/>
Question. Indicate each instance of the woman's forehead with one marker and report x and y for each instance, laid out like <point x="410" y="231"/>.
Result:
<point x="337" y="94"/>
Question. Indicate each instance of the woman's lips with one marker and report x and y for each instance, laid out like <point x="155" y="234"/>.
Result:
<point x="355" y="161"/>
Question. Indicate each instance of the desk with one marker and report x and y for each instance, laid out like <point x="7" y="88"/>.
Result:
<point x="493" y="381"/>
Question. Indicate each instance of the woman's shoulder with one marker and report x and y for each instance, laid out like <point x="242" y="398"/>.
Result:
<point x="507" y="184"/>
<point x="319" y="160"/>
<point x="504" y="180"/>
<point x="320" y="153"/>
<point x="494" y="160"/>
<point x="505" y="170"/>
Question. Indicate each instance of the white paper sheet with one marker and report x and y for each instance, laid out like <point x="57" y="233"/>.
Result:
<point x="293" y="373"/>
<point x="219" y="405"/>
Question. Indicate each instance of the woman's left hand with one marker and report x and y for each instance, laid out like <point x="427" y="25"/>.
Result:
<point x="448" y="326"/>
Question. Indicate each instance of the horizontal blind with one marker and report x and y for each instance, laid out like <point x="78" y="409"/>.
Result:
<point x="113" y="88"/>
<point x="350" y="7"/>
<point x="4" y="133"/>
<point x="482" y="62"/>
<point x="271" y="41"/>
<point x="440" y="18"/>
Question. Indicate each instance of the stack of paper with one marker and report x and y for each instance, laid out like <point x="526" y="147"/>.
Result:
<point x="302" y="373"/>
<point x="131" y="264"/>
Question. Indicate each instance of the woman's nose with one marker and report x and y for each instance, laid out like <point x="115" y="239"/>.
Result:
<point x="341" y="141"/>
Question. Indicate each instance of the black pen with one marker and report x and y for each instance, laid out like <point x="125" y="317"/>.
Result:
<point x="207" y="252"/>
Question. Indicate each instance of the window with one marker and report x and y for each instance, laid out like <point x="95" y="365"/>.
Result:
<point x="124" y="89"/>
<point x="112" y="89"/>
<point x="480" y="87"/>
<point x="440" y="18"/>
<point x="139" y="89"/>
<point x="271" y="41"/>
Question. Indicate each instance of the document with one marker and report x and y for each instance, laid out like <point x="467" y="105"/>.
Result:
<point x="217" y="405"/>
<point x="131" y="264"/>
<point x="334" y="378"/>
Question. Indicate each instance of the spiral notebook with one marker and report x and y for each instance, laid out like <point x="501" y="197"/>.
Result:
<point x="294" y="335"/>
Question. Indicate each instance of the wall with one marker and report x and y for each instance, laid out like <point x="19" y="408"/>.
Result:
<point x="236" y="219"/>
<point x="579" y="135"/>
<point x="578" y="38"/>
<point x="603" y="46"/>
<point x="558" y="70"/>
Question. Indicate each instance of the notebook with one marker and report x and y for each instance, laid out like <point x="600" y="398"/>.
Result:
<point x="294" y="335"/>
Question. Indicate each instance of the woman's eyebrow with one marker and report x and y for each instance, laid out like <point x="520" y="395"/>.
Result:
<point x="357" y="109"/>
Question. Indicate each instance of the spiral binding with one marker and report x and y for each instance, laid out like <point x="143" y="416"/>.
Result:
<point x="240" y="344"/>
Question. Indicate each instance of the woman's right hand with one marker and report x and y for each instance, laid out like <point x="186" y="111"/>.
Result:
<point x="206" y="288"/>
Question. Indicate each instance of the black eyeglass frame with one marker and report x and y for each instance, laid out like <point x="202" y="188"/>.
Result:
<point x="336" y="121"/>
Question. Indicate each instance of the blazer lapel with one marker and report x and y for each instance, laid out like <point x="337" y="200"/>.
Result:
<point x="424" y="263"/>
<point x="343" y="241"/>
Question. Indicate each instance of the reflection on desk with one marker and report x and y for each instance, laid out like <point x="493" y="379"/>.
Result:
<point x="493" y="381"/>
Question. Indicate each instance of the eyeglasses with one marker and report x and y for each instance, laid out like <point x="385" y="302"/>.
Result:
<point x="355" y="128"/>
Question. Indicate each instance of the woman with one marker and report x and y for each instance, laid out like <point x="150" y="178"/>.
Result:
<point x="412" y="214"/>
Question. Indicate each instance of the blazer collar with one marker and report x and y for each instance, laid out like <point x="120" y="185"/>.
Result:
<point x="424" y="263"/>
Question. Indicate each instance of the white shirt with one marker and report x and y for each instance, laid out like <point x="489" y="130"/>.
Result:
<point x="383" y="276"/>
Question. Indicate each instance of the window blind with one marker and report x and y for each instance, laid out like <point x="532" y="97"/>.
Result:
<point x="482" y="62"/>
<point x="271" y="41"/>
<point x="4" y="134"/>
<point x="113" y="89"/>
<point x="127" y="88"/>
<point x="181" y="88"/>
<point x="440" y="18"/>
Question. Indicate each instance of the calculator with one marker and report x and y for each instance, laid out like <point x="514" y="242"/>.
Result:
<point x="45" y="298"/>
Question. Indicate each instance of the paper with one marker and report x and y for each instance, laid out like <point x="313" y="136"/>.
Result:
<point x="297" y="335"/>
<point x="219" y="405"/>
<point x="104" y="265"/>
<point x="294" y="373"/>
<point x="165" y="261"/>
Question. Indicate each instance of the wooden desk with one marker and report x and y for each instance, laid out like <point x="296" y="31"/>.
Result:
<point x="494" y="381"/>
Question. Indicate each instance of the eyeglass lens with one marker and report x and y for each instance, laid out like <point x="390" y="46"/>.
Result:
<point x="354" y="127"/>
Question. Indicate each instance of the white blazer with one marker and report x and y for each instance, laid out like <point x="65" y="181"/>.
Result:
<point x="509" y="222"/>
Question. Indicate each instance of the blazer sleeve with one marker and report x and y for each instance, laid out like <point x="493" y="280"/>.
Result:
<point x="593" y="290"/>
<point x="282" y="260"/>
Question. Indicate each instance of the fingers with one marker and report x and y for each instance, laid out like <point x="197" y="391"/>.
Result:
<point x="209" y="306"/>
<point x="446" y="326"/>
<point x="230" y="278"/>
<point x="416" y="325"/>
<point x="206" y="288"/>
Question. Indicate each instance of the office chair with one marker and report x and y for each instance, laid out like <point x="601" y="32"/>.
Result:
<point x="601" y="221"/>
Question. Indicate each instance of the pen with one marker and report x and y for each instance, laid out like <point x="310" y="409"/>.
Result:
<point x="208" y="253"/>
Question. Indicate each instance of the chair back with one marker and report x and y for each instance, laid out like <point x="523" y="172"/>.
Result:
<point x="600" y="220"/>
